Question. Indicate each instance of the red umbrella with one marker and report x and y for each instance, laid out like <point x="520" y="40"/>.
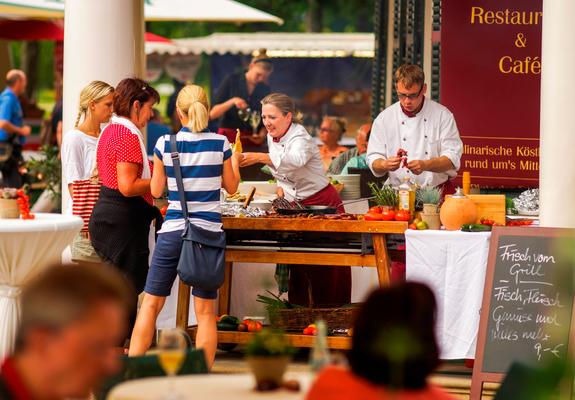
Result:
<point x="31" y="30"/>
<point x="152" y="37"/>
<point x="47" y="30"/>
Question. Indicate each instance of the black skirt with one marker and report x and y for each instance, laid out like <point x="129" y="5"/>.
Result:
<point x="119" y="229"/>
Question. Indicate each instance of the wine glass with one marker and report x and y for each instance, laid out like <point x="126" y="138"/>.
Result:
<point x="255" y="119"/>
<point x="172" y="346"/>
<point x="244" y="114"/>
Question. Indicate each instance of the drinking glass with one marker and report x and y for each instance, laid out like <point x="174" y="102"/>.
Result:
<point x="255" y="119"/>
<point x="172" y="346"/>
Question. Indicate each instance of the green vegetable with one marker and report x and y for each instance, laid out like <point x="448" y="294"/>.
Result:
<point x="228" y="323"/>
<point x="476" y="228"/>
<point x="230" y="319"/>
<point x="384" y="195"/>
<point x="226" y="326"/>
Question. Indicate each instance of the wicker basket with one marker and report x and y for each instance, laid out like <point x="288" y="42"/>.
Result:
<point x="296" y="319"/>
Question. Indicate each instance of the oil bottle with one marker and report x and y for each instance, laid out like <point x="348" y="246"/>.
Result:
<point x="407" y="196"/>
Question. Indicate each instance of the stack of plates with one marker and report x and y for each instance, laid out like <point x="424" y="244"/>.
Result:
<point x="351" y="189"/>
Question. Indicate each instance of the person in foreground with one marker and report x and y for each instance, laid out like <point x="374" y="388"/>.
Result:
<point x="393" y="352"/>
<point x="207" y="165"/>
<point x="72" y="320"/>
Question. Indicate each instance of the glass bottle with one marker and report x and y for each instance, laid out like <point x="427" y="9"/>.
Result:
<point x="406" y="196"/>
<point x="320" y="353"/>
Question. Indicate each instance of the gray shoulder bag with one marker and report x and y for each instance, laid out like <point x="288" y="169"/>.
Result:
<point x="202" y="259"/>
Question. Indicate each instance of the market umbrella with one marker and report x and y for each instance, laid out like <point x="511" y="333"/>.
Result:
<point x="154" y="10"/>
<point x="31" y="30"/>
<point x="48" y="30"/>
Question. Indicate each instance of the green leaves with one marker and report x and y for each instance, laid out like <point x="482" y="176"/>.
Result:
<point x="384" y="195"/>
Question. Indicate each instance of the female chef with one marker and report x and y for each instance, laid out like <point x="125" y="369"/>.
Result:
<point x="296" y="164"/>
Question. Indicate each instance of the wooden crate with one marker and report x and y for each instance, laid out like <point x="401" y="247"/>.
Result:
<point x="490" y="206"/>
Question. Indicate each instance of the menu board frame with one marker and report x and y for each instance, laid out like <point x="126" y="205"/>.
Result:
<point x="479" y="376"/>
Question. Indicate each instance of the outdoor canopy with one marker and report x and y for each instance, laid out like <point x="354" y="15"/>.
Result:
<point x="154" y="10"/>
<point x="277" y="44"/>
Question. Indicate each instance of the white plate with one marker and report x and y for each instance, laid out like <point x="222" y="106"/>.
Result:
<point x="528" y="213"/>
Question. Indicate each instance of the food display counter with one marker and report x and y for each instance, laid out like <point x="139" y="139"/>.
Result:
<point x="355" y="243"/>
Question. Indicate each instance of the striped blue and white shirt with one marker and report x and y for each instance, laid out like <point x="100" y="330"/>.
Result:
<point x="202" y="157"/>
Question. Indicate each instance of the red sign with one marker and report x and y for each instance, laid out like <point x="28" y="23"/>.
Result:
<point x="490" y="80"/>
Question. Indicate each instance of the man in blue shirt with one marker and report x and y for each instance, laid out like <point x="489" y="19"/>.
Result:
<point x="12" y="128"/>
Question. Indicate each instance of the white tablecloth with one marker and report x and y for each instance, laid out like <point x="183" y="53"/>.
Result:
<point x="453" y="264"/>
<point x="211" y="387"/>
<point x="26" y="247"/>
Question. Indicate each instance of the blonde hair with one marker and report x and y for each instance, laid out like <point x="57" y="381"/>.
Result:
<point x="193" y="102"/>
<point x="93" y="92"/>
<point x="409" y="75"/>
<point x="285" y="104"/>
<point x="261" y="58"/>
<point x="340" y="124"/>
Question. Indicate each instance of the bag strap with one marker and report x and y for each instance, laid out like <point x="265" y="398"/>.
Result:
<point x="178" y="173"/>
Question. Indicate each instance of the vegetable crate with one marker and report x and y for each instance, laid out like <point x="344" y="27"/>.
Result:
<point x="296" y="319"/>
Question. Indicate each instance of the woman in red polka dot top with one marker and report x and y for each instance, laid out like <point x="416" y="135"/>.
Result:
<point x="121" y="219"/>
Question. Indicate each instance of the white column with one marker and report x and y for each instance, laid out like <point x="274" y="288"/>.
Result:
<point x="557" y="162"/>
<point x="103" y="40"/>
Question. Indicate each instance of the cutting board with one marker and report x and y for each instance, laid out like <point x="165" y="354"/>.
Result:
<point x="491" y="206"/>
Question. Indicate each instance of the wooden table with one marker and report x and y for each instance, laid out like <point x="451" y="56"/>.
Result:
<point x="379" y="260"/>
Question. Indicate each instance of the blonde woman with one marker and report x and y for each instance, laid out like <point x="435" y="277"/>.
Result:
<point x="207" y="165"/>
<point x="79" y="151"/>
<point x="295" y="162"/>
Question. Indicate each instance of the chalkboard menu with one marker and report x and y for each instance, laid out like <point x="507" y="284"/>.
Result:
<point x="527" y="309"/>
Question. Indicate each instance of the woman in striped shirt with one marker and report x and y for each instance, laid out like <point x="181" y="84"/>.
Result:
<point x="207" y="165"/>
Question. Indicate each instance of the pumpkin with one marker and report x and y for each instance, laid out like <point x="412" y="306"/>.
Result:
<point x="457" y="210"/>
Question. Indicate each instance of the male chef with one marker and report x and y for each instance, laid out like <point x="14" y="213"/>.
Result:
<point x="420" y="126"/>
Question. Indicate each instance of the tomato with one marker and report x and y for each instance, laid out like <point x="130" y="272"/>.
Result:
<point x="19" y="193"/>
<point x="310" y="330"/>
<point x="253" y="326"/>
<point x="388" y="215"/>
<point x="412" y="226"/>
<point x="164" y="210"/>
<point x="375" y="210"/>
<point x="487" y="221"/>
<point x="402" y="215"/>
<point x="373" y="217"/>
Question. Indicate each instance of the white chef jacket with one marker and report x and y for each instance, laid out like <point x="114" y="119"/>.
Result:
<point x="431" y="133"/>
<point x="297" y="164"/>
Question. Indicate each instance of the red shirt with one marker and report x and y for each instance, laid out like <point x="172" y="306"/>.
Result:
<point x="335" y="383"/>
<point x="117" y="145"/>
<point x="13" y="381"/>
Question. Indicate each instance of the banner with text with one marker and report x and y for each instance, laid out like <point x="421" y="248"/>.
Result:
<point x="490" y="80"/>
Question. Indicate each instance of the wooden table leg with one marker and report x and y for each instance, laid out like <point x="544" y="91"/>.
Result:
<point x="183" y="308"/>
<point x="381" y="259"/>
<point x="226" y="291"/>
